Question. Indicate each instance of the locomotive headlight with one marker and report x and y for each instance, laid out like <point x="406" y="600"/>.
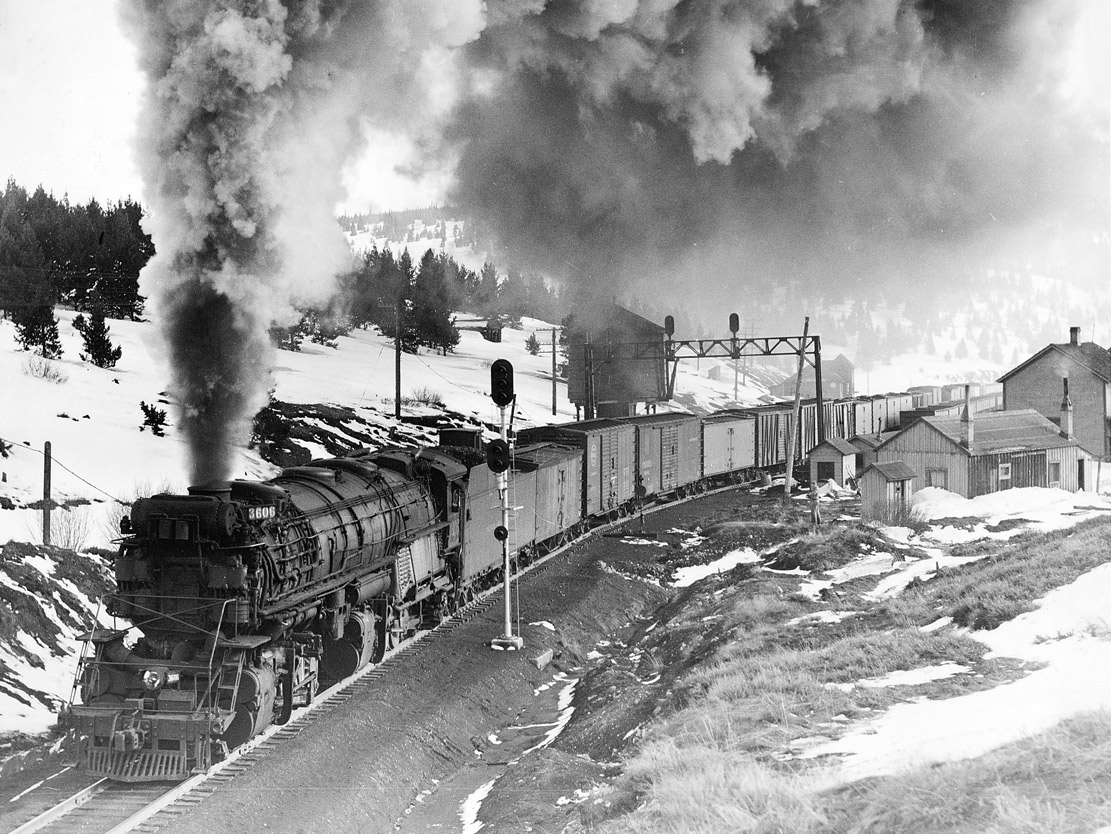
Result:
<point x="154" y="679"/>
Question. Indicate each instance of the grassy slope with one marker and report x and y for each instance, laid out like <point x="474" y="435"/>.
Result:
<point x="719" y="763"/>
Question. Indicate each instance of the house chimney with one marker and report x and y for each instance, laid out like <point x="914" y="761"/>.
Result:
<point x="968" y="431"/>
<point x="1074" y="335"/>
<point x="1066" y="414"/>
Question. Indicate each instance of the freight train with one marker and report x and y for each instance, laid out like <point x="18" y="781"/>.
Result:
<point x="237" y="601"/>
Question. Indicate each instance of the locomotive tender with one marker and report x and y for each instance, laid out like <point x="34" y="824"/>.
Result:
<point x="246" y="596"/>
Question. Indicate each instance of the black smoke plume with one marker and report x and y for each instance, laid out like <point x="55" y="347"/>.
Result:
<point x="708" y="151"/>
<point x="252" y="109"/>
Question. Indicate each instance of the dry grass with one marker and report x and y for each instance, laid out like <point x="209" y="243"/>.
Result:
<point x="1007" y="582"/>
<point x="831" y="547"/>
<point x="40" y="368"/>
<point x="1058" y="781"/>
<point x="713" y="765"/>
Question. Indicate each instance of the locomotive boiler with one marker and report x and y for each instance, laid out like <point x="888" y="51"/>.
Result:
<point x="241" y="597"/>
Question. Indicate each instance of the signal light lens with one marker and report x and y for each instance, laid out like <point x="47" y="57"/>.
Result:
<point x="497" y="455"/>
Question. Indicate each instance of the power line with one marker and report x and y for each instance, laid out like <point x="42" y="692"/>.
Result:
<point x="13" y="445"/>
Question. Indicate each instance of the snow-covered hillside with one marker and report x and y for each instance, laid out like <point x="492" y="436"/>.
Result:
<point x="92" y="416"/>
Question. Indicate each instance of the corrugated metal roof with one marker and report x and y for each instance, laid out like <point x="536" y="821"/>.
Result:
<point x="1000" y="431"/>
<point x="893" y="470"/>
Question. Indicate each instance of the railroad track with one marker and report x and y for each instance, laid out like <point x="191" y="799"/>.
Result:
<point x="115" y="808"/>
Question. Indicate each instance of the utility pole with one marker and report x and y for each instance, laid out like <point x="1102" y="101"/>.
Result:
<point x="553" y="370"/>
<point x="397" y="361"/>
<point x="734" y="326"/>
<point x="46" y="502"/>
<point x="793" y="428"/>
<point x="497" y="458"/>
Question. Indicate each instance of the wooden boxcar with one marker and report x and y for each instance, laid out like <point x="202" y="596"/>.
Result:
<point x="609" y="459"/>
<point x="558" y="483"/>
<point x="668" y="451"/>
<point x="728" y="444"/>
<point x="481" y="551"/>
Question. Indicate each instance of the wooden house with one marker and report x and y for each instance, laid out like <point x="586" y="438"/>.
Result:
<point x="1037" y="384"/>
<point x="976" y="454"/>
<point x="832" y="460"/>
<point x="885" y="490"/>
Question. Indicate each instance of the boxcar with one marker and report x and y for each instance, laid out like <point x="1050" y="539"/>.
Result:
<point x="482" y="511"/>
<point x="668" y="451"/>
<point x="558" y="483"/>
<point x="728" y="443"/>
<point x="609" y="459"/>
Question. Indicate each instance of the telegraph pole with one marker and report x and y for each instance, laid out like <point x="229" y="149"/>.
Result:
<point x="553" y="371"/>
<point x="46" y="502"/>
<point x="497" y="458"/>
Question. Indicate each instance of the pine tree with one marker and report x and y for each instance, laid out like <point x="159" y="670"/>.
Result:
<point x="37" y="330"/>
<point x="532" y="345"/>
<point x="486" y="295"/>
<point x="98" y="346"/>
<point x="431" y="306"/>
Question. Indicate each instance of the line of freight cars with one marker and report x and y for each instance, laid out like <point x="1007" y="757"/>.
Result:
<point x="626" y="459"/>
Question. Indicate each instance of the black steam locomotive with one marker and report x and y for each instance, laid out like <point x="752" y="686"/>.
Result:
<point x="248" y="594"/>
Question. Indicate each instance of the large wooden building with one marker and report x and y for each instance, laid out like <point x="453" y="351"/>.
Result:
<point x="1037" y="384"/>
<point x="976" y="454"/>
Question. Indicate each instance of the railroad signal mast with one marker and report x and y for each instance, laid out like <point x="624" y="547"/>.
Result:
<point x="497" y="458"/>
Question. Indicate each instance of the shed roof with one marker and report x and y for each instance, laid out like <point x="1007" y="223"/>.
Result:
<point x="1087" y="355"/>
<point x="999" y="431"/>
<point x="893" y="470"/>
<point x="871" y="441"/>
<point x="842" y="446"/>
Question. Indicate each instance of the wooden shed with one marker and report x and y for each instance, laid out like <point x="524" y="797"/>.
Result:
<point x="832" y="460"/>
<point x="977" y="454"/>
<point x="885" y="491"/>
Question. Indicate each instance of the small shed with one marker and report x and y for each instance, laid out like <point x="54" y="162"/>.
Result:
<point x="885" y="490"/>
<point x="833" y="459"/>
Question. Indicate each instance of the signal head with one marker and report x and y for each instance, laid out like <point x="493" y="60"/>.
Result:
<point x="501" y="382"/>
<point x="497" y="455"/>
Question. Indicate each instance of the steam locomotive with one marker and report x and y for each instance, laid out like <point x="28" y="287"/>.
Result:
<point x="247" y="596"/>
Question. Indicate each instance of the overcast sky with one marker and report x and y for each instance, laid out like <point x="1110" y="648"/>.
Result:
<point x="71" y="93"/>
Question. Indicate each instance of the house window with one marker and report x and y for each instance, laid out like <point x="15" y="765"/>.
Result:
<point x="825" y="470"/>
<point x="1004" y="472"/>
<point x="1055" y="474"/>
<point x="937" y="478"/>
